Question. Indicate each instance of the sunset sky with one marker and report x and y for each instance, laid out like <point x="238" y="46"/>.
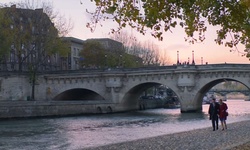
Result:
<point x="172" y="42"/>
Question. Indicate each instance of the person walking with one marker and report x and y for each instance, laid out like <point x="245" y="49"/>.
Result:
<point x="213" y="112"/>
<point x="223" y="114"/>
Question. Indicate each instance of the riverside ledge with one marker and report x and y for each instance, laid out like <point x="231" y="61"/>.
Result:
<point x="31" y="109"/>
<point x="236" y="137"/>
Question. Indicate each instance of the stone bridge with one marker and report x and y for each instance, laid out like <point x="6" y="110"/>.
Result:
<point x="225" y="92"/>
<point x="122" y="87"/>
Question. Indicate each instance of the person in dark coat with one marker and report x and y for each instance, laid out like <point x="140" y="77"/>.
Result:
<point x="213" y="112"/>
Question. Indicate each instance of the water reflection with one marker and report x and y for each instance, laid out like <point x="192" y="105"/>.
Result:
<point x="95" y="130"/>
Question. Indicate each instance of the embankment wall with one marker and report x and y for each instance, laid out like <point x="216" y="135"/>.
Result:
<point x="27" y="109"/>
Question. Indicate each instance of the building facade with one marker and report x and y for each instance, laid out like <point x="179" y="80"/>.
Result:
<point x="73" y="59"/>
<point x="32" y="43"/>
<point x="77" y="45"/>
<point x="31" y="35"/>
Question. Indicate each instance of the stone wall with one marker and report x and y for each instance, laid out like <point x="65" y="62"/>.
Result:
<point x="14" y="88"/>
<point x="23" y="109"/>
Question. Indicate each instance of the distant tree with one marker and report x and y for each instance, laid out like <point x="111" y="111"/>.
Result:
<point x="230" y="16"/>
<point x="147" y="51"/>
<point x="35" y="44"/>
<point x="150" y="54"/>
<point x="93" y="54"/>
<point x="6" y="37"/>
<point x="228" y="85"/>
<point x="128" y="40"/>
<point x="241" y="86"/>
<point x="232" y="85"/>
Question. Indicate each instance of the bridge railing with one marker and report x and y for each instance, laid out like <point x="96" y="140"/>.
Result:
<point x="112" y="70"/>
<point x="223" y="65"/>
<point x="139" y="69"/>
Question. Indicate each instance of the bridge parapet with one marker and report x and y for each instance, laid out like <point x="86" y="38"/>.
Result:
<point x="115" y="82"/>
<point x="186" y="80"/>
<point x="225" y="66"/>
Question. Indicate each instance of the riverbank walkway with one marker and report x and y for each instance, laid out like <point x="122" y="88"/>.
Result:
<point x="236" y="137"/>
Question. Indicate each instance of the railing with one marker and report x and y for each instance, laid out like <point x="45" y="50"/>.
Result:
<point x="228" y="91"/>
<point x="230" y="67"/>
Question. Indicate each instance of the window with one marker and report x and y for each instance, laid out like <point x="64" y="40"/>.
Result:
<point x="78" y="52"/>
<point x="74" y="54"/>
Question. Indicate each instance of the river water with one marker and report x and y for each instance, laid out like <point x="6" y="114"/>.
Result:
<point x="72" y="133"/>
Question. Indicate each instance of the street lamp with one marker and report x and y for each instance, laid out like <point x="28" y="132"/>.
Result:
<point x="193" y="63"/>
<point x="120" y="61"/>
<point x="49" y="64"/>
<point x="106" y="65"/>
<point x="178" y="62"/>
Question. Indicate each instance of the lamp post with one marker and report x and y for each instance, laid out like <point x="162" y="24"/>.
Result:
<point x="193" y="63"/>
<point x="202" y="60"/>
<point x="178" y="62"/>
<point x="106" y="64"/>
<point x="120" y="61"/>
<point x="49" y="63"/>
<point x="12" y="59"/>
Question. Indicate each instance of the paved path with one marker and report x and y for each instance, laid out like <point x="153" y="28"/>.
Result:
<point x="236" y="137"/>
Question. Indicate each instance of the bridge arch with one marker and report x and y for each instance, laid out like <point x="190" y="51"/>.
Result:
<point x="206" y="86"/>
<point x="78" y="94"/>
<point x="132" y="94"/>
<point x="131" y="97"/>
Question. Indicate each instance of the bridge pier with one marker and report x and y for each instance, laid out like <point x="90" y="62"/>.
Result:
<point x="247" y="98"/>
<point x="189" y="102"/>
